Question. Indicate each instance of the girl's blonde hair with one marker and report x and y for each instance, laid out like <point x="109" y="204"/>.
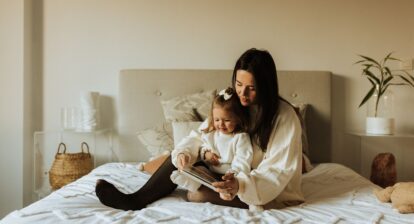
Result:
<point x="228" y="101"/>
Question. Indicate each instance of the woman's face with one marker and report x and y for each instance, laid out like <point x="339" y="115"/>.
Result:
<point x="245" y="87"/>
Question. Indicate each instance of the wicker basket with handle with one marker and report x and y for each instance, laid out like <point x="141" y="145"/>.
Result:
<point x="68" y="167"/>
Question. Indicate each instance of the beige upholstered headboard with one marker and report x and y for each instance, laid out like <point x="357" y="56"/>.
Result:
<point x="140" y="92"/>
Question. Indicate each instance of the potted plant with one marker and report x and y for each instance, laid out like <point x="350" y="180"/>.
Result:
<point x="379" y="97"/>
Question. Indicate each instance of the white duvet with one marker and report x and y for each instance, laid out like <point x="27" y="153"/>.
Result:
<point x="334" y="194"/>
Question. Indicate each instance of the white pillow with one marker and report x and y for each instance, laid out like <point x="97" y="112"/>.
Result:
<point x="157" y="140"/>
<point x="185" y="108"/>
<point x="183" y="129"/>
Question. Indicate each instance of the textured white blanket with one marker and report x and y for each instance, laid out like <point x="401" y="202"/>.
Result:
<point x="334" y="194"/>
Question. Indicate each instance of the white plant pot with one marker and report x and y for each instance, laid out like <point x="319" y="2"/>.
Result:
<point x="380" y="126"/>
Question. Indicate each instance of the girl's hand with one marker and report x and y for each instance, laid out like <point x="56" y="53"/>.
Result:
<point x="182" y="161"/>
<point x="211" y="158"/>
<point x="227" y="188"/>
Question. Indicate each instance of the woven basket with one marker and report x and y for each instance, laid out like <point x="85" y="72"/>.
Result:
<point x="68" y="167"/>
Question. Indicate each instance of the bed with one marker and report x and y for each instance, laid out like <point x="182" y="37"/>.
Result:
<point x="333" y="192"/>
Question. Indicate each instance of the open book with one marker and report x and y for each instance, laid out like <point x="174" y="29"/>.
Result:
<point x="200" y="176"/>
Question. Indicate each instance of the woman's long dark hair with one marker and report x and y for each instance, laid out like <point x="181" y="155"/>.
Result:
<point x="262" y="66"/>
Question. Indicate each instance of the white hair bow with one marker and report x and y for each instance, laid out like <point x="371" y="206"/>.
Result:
<point x="225" y="94"/>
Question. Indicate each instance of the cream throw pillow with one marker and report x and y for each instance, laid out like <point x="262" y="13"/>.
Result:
<point x="185" y="108"/>
<point x="183" y="129"/>
<point x="157" y="139"/>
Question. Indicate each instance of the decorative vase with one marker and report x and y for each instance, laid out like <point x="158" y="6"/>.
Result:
<point x="380" y="120"/>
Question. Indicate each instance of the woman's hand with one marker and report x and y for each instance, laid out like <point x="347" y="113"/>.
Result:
<point x="211" y="158"/>
<point x="182" y="161"/>
<point x="227" y="188"/>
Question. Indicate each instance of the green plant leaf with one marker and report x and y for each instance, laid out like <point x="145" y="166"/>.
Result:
<point x="389" y="55"/>
<point x="408" y="74"/>
<point x="387" y="80"/>
<point x="359" y="61"/>
<point x="366" y="98"/>
<point x="406" y="80"/>
<point x="370" y="74"/>
<point x="399" y="84"/>
<point x="371" y="60"/>
<point x="372" y="82"/>
<point x="383" y="91"/>
<point x="386" y="58"/>
<point x="367" y="66"/>
<point x="395" y="59"/>
<point x="388" y="71"/>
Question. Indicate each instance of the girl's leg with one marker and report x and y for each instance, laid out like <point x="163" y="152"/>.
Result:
<point x="158" y="186"/>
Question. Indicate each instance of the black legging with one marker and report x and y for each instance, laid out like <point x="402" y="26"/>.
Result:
<point x="158" y="186"/>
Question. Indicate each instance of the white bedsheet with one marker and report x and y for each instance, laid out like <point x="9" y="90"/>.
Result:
<point x="334" y="194"/>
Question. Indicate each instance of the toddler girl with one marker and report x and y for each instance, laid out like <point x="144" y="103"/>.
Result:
<point x="226" y="146"/>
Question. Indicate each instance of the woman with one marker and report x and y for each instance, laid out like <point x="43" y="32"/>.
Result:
<point x="275" y="179"/>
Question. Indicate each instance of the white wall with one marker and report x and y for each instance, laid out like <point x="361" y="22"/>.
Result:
<point x="87" y="42"/>
<point x="11" y="104"/>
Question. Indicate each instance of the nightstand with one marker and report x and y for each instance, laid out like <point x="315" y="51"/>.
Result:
<point x="100" y="144"/>
<point x="400" y="145"/>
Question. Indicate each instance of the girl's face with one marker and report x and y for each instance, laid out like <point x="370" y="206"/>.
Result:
<point x="223" y="120"/>
<point x="245" y="87"/>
